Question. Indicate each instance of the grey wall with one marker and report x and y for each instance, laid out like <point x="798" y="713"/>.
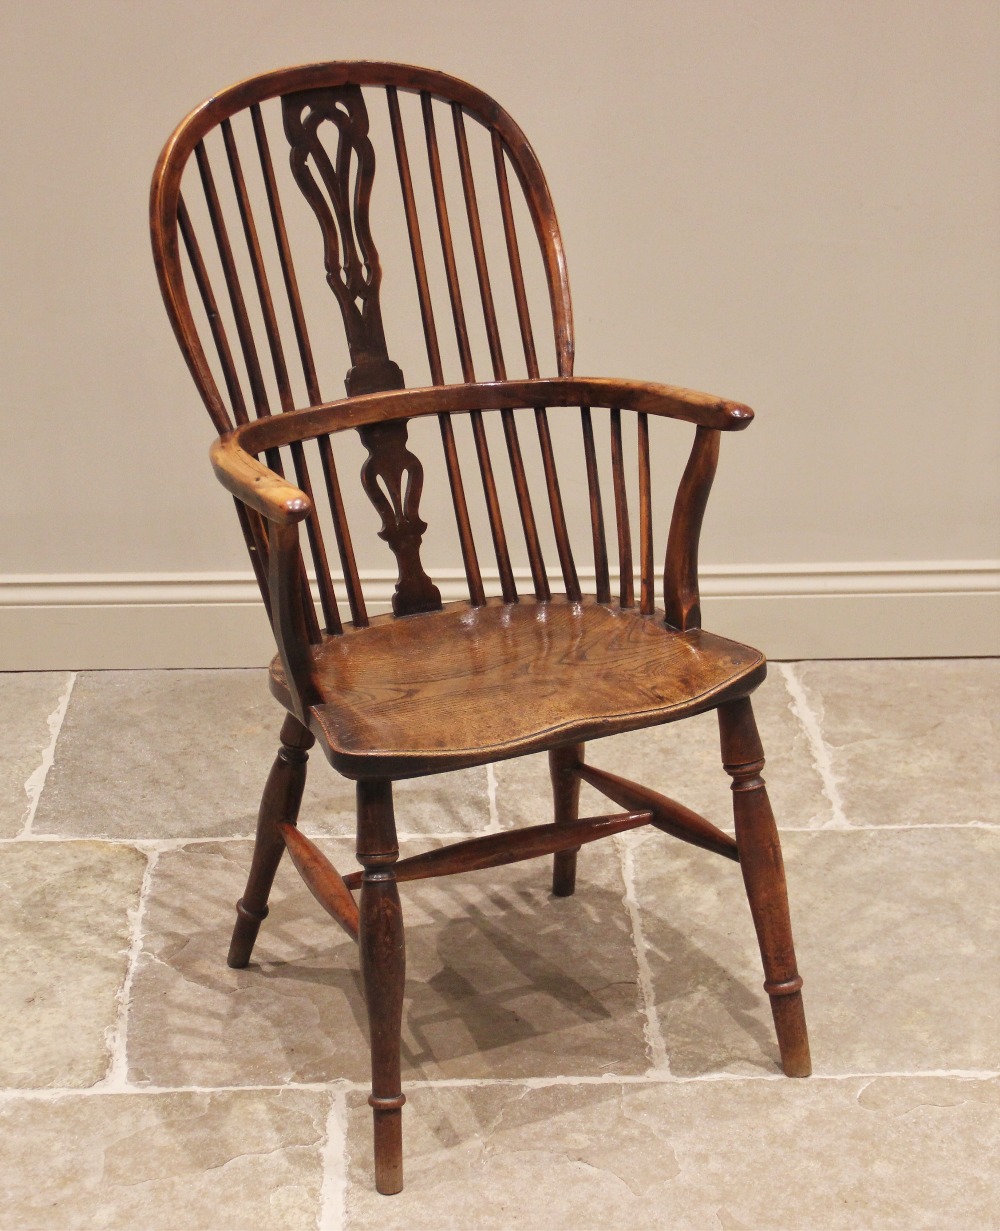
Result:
<point x="792" y="203"/>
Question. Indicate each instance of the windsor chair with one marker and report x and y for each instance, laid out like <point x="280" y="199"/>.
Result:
<point x="528" y="661"/>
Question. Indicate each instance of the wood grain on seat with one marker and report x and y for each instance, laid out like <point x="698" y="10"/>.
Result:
<point x="466" y="685"/>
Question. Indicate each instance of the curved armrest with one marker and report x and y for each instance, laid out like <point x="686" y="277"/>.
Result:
<point x="257" y="486"/>
<point x="701" y="409"/>
<point x="284" y="505"/>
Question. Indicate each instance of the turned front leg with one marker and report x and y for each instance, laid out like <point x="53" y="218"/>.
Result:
<point x="566" y="798"/>
<point x="279" y="804"/>
<point x="383" y="971"/>
<point x="764" y="877"/>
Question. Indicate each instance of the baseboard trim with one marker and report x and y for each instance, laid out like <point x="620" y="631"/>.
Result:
<point x="850" y="610"/>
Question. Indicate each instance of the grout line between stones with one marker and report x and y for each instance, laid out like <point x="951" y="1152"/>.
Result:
<point x="820" y="749"/>
<point x="116" y="1078"/>
<point x="491" y="796"/>
<point x="173" y="844"/>
<point x="36" y="781"/>
<point x="333" y="1192"/>
<point x="654" y="1034"/>
<point x="343" y="1087"/>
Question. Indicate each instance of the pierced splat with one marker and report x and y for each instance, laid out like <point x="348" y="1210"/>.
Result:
<point x="353" y="271"/>
<point x="382" y="475"/>
<point x="354" y="275"/>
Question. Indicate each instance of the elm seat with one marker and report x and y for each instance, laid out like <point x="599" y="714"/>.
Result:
<point x="467" y="685"/>
<point x="269" y="209"/>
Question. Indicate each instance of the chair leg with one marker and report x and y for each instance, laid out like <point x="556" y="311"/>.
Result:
<point x="383" y="971"/>
<point x="280" y="802"/>
<point x="764" y="877"/>
<point x="566" y="796"/>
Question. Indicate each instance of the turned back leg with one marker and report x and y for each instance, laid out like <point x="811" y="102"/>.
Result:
<point x="383" y="971"/>
<point x="566" y="797"/>
<point x="279" y="803"/>
<point x="764" y="877"/>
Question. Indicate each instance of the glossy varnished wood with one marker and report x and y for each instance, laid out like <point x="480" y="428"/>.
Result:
<point x="324" y="881"/>
<point x="510" y="145"/>
<point x="563" y="763"/>
<point x="431" y="687"/>
<point x="279" y="806"/>
<point x="680" y="577"/>
<point x="467" y="685"/>
<point x="666" y="401"/>
<point x="670" y="816"/>
<point x="496" y="849"/>
<point x="764" y="876"/>
<point x="383" y="972"/>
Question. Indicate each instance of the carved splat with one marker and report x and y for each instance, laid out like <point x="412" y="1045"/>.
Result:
<point x="389" y="463"/>
<point x="392" y="476"/>
<point x="353" y="271"/>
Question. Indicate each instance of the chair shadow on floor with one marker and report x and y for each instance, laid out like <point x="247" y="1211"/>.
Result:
<point x="495" y="988"/>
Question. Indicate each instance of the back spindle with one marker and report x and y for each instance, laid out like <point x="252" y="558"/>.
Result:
<point x="342" y="533"/>
<point x="514" y="256"/>
<point x="626" y="595"/>
<point x="236" y="300"/>
<point x="256" y="539"/>
<point x="647" y="600"/>
<point x="497" y="532"/>
<point x="478" y="248"/>
<point x="237" y="404"/>
<point x="314" y="532"/>
<point x="539" y="578"/>
<point x="477" y="593"/>
<point x="265" y="349"/>
<point x="285" y="257"/>
<point x="596" y="509"/>
<point x="570" y="580"/>
<point x="447" y="245"/>
<point x="508" y="588"/>
<point x="345" y="547"/>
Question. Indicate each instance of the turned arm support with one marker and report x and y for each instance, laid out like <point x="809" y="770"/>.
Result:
<point x="681" y="595"/>
<point x="285" y="579"/>
<point x="282" y="506"/>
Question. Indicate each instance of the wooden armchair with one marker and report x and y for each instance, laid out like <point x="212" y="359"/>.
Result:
<point x="525" y="662"/>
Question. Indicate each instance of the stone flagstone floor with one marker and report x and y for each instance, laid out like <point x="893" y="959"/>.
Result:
<point x="604" y="1061"/>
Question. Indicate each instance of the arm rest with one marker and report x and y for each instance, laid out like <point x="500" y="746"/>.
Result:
<point x="262" y="489"/>
<point x="701" y="409"/>
<point x="283" y="505"/>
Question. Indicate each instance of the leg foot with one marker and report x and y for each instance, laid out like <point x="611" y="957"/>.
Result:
<point x="245" y="932"/>
<point x="764" y="877"/>
<point x="566" y="797"/>
<point x="280" y="802"/>
<point x="383" y="971"/>
<point x="388" y="1125"/>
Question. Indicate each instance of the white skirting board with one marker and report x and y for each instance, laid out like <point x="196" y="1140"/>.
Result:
<point x="856" y="610"/>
